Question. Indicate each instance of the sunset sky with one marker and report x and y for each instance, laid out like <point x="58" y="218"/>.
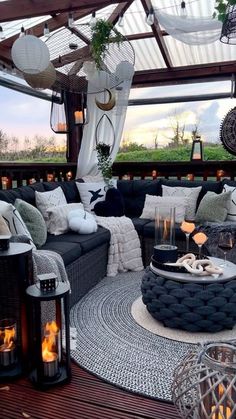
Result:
<point x="25" y="116"/>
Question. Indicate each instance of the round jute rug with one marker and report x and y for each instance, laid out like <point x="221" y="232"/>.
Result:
<point x="114" y="347"/>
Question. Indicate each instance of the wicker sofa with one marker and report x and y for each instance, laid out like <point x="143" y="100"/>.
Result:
<point x="85" y="256"/>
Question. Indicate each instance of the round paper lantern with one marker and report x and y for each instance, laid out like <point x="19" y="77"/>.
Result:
<point x="124" y="70"/>
<point x="43" y="80"/>
<point x="30" y="54"/>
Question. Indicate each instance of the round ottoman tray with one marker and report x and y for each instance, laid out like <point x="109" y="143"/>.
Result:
<point x="170" y="268"/>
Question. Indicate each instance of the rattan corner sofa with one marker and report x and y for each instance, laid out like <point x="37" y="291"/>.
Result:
<point x="85" y="256"/>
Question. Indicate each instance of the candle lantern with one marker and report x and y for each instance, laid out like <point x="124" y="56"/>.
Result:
<point x="165" y="249"/>
<point x="15" y="276"/>
<point x="50" y="334"/>
<point x="204" y="383"/>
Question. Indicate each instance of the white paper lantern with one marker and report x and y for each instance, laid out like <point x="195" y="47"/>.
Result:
<point x="124" y="70"/>
<point x="43" y="80"/>
<point x="30" y="54"/>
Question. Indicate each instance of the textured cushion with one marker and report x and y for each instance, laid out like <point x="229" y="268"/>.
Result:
<point x="191" y="194"/>
<point x="231" y="215"/>
<point x="45" y="200"/>
<point x="153" y="202"/>
<point x="113" y="206"/>
<point x="91" y="193"/>
<point x="58" y="217"/>
<point x="14" y="221"/>
<point x="4" y="230"/>
<point x="213" y="207"/>
<point x="82" y="222"/>
<point x="69" y="188"/>
<point x="33" y="220"/>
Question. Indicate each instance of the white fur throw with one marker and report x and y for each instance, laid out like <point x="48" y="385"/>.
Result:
<point x="82" y="221"/>
<point x="124" y="251"/>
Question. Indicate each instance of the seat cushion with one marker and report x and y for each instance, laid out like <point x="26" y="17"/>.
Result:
<point x="68" y="251"/>
<point x="139" y="224"/>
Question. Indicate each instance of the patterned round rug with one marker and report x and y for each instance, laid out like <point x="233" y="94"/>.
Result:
<point x="114" y="347"/>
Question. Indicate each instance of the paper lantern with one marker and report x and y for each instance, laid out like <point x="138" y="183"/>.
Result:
<point x="124" y="71"/>
<point x="43" y="80"/>
<point x="30" y="54"/>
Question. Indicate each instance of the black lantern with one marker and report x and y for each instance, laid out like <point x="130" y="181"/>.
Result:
<point x="197" y="151"/>
<point x="15" y="275"/>
<point x="58" y="118"/>
<point x="81" y="114"/>
<point x="50" y="332"/>
<point x="228" y="33"/>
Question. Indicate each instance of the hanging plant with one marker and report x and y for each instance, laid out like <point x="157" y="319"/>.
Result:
<point x="221" y="7"/>
<point x="103" y="33"/>
<point x="104" y="160"/>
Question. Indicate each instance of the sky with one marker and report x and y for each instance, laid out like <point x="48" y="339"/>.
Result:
<point x="25" y="116"/>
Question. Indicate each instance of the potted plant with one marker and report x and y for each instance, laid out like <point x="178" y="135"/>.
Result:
<point x="221" y="7"/>
<point x="103" y="33"/>
<point x="104" y="162"/>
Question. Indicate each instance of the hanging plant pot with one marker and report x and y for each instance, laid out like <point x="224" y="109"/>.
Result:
<point x="105" y="125"/>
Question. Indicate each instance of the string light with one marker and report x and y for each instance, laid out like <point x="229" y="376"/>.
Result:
<point x="46" y="30"/>
<point x="183" y="12"/>
<point x="70" y="20"/>
<point x="150" y="17"/>
<point x="13" y="70"/>
<point x="2" y="34"/>
<point x="93" y="20"/>
<point x="121" y="20"/>
<point x="22" y="31"/>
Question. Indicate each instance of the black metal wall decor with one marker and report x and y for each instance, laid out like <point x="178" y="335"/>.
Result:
<point x="228" y="131"/>
<point x="50" y="335"/>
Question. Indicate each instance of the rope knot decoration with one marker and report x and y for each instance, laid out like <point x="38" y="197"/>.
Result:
<point x="197" y="266"/>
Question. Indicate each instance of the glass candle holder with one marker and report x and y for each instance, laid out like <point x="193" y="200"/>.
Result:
<point x="7" y="343"/>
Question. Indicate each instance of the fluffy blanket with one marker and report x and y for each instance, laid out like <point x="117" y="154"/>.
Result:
<point x="125" y="250"/>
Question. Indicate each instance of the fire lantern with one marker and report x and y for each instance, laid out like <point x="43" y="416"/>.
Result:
<point x="50" y="334"/>
<point x="15" y="276"/>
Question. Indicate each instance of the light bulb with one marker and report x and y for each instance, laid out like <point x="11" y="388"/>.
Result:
<point x="13" y="70"/>
<point x="4" y="69"/>
<point x="150" y="17"/>
<point x="121" y="20"/>
<point x="70" y="20"/>
<point x="183" y="12"/>
<point x="46" y="30"/>
<point x="93" y="20"/>
<point x="2" y="34"/>
<point x="22" y="31"/>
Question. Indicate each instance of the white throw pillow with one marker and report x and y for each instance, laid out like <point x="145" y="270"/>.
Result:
<point x="92" y="192"/>
<point x="45" y="200"/>
<point x="82" y="222"/>
<point x="58" y="218"/>
<point x="191" y="194"/>
<point x="231" y="214"/>
<point x="14" y="221"/>
<point x="152" y="202"/>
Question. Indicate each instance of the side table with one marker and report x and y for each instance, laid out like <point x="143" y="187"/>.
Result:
<point x="189" y="302"/>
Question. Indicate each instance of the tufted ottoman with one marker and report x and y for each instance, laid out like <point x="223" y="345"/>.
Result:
<point x="195" y="307"/>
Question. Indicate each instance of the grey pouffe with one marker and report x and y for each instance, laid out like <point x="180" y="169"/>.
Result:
<point x="189" y="306"/>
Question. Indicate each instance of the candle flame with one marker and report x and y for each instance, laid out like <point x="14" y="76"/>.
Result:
<point x="7" y="336"/>
<point x="49" y="342"/>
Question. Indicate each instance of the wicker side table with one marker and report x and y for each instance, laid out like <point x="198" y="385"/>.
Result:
<point x="194" y="306"/>
<point x="15" y="276"/>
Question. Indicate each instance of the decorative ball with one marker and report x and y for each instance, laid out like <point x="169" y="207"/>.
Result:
<point x="30" y="54"/>
<point x="43" y="80"/>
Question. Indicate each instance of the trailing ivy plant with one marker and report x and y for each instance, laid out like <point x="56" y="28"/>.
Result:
<point x="221" y="6"/>
<point x="101" y="37"/>
<point x="104" y="160"/>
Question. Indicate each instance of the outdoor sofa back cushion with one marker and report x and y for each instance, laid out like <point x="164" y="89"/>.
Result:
<point x="134" y="192"/>
<point x="69" y="188"/>
<point x="27" y="193"/>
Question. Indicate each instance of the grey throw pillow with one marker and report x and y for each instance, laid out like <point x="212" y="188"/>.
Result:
<point x="213" y="207"/>
<point x="33" y="220"/>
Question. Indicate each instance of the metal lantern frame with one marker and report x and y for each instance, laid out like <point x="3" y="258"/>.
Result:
<point x="197" y="150"/>
<point x="57" y="301"/>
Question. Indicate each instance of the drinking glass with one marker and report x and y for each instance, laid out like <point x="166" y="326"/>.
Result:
<point x="225" y="243"/>
<point x="200" y="238"/>
<point x="187" y="228"/>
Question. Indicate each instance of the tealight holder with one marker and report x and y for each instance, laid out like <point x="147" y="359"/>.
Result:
<point x="164" y="249"/>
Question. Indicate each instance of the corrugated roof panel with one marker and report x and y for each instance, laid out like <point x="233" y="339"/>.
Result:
<point x="147" y="54"/>
<point x="134" y="20"/>
<point x="12" y="28"/>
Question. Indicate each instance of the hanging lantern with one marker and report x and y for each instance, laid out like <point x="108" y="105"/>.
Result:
<point x="58" y="120"/>
<point x="81" y="114"/>
<point x="197" y="151"/>
<point x="43" y="80"/>
<point x="30" y="54"/>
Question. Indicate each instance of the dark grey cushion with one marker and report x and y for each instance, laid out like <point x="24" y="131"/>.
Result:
<point x="68" y="251"/>
<point x="69" y="188"/>
<point x="149" y="231"/>
<point x="27" y="193"/>
<point x="139" y="224"/>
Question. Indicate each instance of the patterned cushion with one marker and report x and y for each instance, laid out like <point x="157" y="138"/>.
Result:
<point x="191" y="194"/>
<point x="58" y="218"/>
<point x="4" y="230"/>
<point x="231" y="215"/>
<point x="152" y="202"/>
<point x="91" y="193"/>
<point x="33" y="220"/>
<point x="45" y="200"/>
<point x="213" y="207"/>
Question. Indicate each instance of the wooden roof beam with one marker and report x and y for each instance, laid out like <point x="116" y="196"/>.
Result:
<point x="158" y="35"/>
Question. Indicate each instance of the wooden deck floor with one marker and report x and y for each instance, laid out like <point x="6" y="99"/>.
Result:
<point x="86" y="397"/>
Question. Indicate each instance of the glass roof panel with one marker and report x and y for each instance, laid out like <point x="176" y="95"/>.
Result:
<point x="147" y="54"/>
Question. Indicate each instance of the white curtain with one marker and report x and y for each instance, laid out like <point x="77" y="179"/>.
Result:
<point x="190" y="30"/>
<point x="111" y="135"/>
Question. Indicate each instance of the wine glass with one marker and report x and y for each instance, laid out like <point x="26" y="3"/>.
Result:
<point x="225" y="243"/>
<point x="200" y="238"/>
<point x="187" y="228"/>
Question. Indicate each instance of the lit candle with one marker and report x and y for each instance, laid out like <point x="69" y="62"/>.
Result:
<point x="7" y="343"/>
<point x="78" y="117"/>
<point x="187" y="227"/>
<point x="49" y="347"/>
<point x="200" y="238"/>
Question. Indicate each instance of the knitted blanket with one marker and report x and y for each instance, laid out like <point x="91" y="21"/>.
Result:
<point x="47" y="261"/>
<point x="125" y="250"/>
